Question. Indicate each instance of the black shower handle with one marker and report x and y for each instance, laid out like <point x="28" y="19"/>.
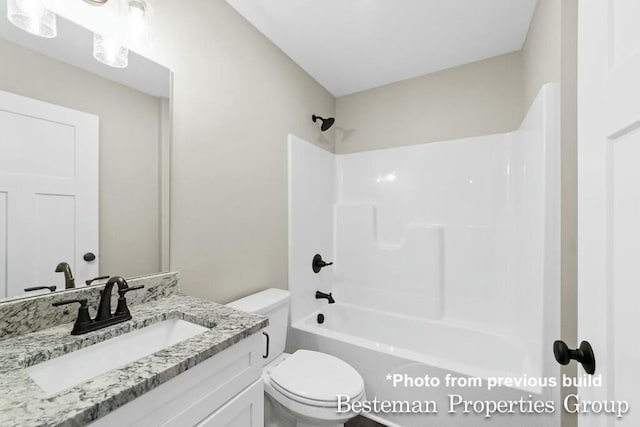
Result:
<point x="318" y="264"/>
<point x="583" y="355"/>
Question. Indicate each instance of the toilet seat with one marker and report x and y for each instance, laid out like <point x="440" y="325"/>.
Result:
<point x="316" y="379"/>
<point x="310" y="402"/>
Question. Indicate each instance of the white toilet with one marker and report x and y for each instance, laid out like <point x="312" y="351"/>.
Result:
<point x="301" y="388"/>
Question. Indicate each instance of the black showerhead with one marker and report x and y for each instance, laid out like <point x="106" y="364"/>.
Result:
<point x="326" y="123"/>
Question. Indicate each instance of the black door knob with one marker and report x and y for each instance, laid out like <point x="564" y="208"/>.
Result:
<point x="89" y="256"/>
<point x="318" y="264"/>
<point x="583" y="355"/>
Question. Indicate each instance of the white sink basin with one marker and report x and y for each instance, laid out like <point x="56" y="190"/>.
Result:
<point x="79" y="366"/>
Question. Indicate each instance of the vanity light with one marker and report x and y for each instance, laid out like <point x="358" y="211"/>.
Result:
<point x="110" y="52"/>
<point x="32" y="17"/>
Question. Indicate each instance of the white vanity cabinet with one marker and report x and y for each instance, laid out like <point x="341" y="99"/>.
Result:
<point x="223" y="391"/>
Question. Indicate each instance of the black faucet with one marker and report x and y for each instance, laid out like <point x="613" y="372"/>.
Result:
<point x="104" y="308"/>
<point x="84" y="322"/>
<point x="328" y="297"/>
<point x="69" y="281"/>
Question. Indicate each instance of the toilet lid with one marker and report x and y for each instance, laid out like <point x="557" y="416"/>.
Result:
<point x="317" y="376"/>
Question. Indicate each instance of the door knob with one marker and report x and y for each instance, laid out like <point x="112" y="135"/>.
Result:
<point x="89" y="256"/>
<point x="583" y="355"/>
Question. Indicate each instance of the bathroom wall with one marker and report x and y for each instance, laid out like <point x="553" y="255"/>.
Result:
<point x="463" y="231"/>
<point x="541" y="53"/>
<point x="480" y="98"/>
<point x="129" y="151"/>
<point x="569" y="301"/>
<point x="236" y="97"/>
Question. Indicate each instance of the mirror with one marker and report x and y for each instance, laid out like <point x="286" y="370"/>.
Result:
<point x="84" y="155"/>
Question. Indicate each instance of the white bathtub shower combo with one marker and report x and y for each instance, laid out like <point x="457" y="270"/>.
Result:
<point x="446" y="261"/>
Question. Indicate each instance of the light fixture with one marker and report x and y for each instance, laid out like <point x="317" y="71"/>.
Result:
<point x="32" y="17"/>
<point x="110" y="52"/>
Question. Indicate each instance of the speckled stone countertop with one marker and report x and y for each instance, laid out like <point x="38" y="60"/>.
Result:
<point x="24" y="404"/>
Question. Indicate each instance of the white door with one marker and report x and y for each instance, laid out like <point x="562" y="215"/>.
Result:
<point x="609" y="200"/>
<point x="48" y="193"/>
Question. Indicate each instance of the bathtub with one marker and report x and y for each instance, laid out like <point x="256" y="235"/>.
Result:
<point x="378" y="344"/>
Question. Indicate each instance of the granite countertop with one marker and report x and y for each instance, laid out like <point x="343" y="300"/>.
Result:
<point x="23" y="403"/>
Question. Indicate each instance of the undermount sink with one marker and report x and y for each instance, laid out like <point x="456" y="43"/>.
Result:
<point x="79" y="366"/>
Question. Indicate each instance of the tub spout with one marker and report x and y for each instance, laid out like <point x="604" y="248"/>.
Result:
<point x="328" y="297"/>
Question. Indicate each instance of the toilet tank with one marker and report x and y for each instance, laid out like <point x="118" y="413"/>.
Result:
<point x="273" y="304"/>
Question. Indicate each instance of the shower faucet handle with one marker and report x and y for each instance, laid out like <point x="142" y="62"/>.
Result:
<point x="318" y="264"/>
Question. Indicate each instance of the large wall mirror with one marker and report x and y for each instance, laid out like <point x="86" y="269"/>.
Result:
<point x="84" y="162"/>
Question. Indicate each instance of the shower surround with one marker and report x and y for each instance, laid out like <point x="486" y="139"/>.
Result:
<point x="446" y="258"/>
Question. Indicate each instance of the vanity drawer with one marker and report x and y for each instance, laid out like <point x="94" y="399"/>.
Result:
<point x="195" y="394"/>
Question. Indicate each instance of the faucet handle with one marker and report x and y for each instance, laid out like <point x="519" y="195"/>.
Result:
<point x="90" y="281"/>
<point x="40" y="288"/>
<point x="318" y="263"/>
<point x="82" y="302"/>
<point x="122" y="308"/>
<point x="123" y="292"/>
<point x="83" y="314"/>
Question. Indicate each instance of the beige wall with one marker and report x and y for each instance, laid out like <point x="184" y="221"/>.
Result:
<point x="541" y="51"/>
<point x="569" y="298"/>
<point x="480" y="98"/>
<point x="129" y="137"/>
<point x="236" y="97"/>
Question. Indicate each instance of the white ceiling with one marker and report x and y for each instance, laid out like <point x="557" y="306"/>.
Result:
<point x="353" y="45"/>
<point x="74" y="45"/>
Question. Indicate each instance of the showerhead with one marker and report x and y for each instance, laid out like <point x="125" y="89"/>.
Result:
<point x="326" y="123"/>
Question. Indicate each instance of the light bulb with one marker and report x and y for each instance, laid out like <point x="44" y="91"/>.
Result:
<point x="110" y="52"/>
<point x="138" y="23"/>
<point x="137" y="8"/>
<point x="32" y="17"/>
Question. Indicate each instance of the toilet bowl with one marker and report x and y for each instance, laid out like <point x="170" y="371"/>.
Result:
<point x="301" y="389"/>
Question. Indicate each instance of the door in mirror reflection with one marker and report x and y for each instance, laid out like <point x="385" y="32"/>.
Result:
<point x="48" y="193"/>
